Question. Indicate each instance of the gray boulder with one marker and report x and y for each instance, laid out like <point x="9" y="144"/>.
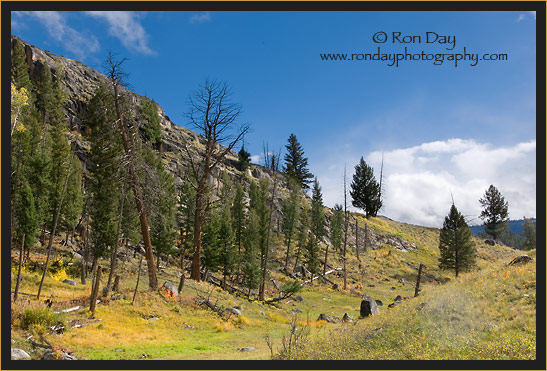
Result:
<point x="521" y="259"/>
<point x="70" y="282"/>
<point x="233" y="311"/>
<point x="49" y="355"/>
<point x="396" y="302"/>
<point x="324" y="317"/>
<point x="368" y="306"/>
<point x="17" y="354"/>
<point x="346" y="318"/>
<point x="171" y="289"/>
<point x="379" y="303"/>
<point x="490" y="242"/>
<point x="247" y="349"/>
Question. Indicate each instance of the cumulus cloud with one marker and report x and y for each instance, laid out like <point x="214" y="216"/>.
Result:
<point x="419" y="182"/>
<point x="126" y="27"/>
<point x="200" y="17"/>
<point x="57" y="27"/>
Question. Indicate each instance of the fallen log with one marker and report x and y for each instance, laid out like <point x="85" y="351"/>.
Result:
<point x="321" y="276"/>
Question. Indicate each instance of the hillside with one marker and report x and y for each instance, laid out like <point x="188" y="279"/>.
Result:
<point x="494" y="319"/>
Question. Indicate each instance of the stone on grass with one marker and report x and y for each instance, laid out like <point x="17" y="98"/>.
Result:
<point x="368" y="306"/>
<point x="233" y="311"/>
<point x="70" y="282"/>
<point x="521" y="259"/>
<point x="347" y="318"/>
<point x="17" y="354"/>
<point x="171" y="289"/>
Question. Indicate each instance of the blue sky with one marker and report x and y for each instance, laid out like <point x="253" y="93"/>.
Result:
<point x="442" y="129"/>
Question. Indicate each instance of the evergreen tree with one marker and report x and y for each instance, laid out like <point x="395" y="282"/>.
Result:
<point x="149" y="113"/>
<point x="290" y="216"/>
<point x="317" y="228"/>
<point x="495" y="213"/>
<point x="251" y="266"/>
<point x="238" y="213"/>
<point x="226" y="241"/>
<point x="365" y="190"/>
<point x="185" y="215"/>
<point x="296" y="165"/>
<point x="26" y="216"/>
<point x="73" y="203"/>
<point x="529" y="235"/>
<point x="336" y="226"/>
<point x="455" y="243"/>
<point x="19" y="68"/>
<point x="104" y="183"/>
<point x="302" y="234"/>
<point x="46" y="96"/>
<point x="243" y="158"/>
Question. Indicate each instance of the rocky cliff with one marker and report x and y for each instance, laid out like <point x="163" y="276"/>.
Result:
<point x="81" y="81"/>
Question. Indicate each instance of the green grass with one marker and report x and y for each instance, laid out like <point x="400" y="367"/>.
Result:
<point x="186" y="331"/>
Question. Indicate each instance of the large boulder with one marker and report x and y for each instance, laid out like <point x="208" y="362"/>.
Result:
<point x="347" y="318"/>
<point x="70" y="282"/>
<point x="324" y="317"/>
<point x="17" y="354"/>
<point x="170" y="289"/>
<point x="368" y="306"/>
<point x="233" y="311"/>
<point x="521" y="259"/>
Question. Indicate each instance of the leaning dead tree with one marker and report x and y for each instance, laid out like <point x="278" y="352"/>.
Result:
<point x="214" y="117"/>
<point x="116" y="75"/>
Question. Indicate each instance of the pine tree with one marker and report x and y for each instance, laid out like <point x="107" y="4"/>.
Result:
<point x="529" y="235"/>
<point x="455" y="243"/>
<point x="296" y="165"/>
<point x="317" y="228"/>
<point x="336" y="226"/>
<point x="251" y="266"/>
<point x="243" y="159"/>
<point x="365" y="191"/>
<point x="151" y="128"/>
<point x="73" y="204"/>
<point x="26" y="216"/>
<point x="495" y="213"/>
<point x="19" y="68"/>
<point x="185" y="216"/>
<point x="302" y="234"/>
<point x="104" y="183"/>
<point x="46" y="96"/>
<point x="290" y="216"/>
<point x="238" y="213"/>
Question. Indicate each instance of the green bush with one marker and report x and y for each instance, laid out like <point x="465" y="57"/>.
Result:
<point x="43" y="316"/>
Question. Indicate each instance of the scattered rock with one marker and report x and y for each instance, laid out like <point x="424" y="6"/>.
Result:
<point x="324" y="317"/>
<point x="335" y="286"/>
<point x="521" y="259"/>
<point x="299" y="298"/>
<point x="396" y="302"/>
<point x="298" y="310"/>
<point x="368" y="306"/>
<point x="17" y="354"/>
<point x="336" y="319"/>
<point x="423" y="305"/>
<point x="50" y="355"/>
<point x="490" y="242"/>
<point x="247" y="349"/>
<point x="172" y="290"/>
<point x="493" y="326"/>
<point x="70" y="282"/>
<point x="233" y="311"/>
<point x="402" y="280"/>
<point x="379" y="303"/>
<point x="392" y="288"/>
<point x="346" y="318"/>
<point x="371" y="285"/>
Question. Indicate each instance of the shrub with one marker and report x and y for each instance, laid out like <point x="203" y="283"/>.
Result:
<point x="42" y="316"/>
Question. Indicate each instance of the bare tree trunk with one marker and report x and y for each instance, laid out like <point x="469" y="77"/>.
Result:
<point x="326" y="255"/>
<point x="262" y="287"/>
<point x="137" y="284"/>
<point x="417" y="290"/>
<point x="14" y="195"/>
<point x="95" y="292"/>
<point x="56" y="219"/>
<point x="20" y="268"/>
<point x="114" y="253"/>
<point x="181" y="282"/>
<point x="287" y="254"/>
<point x="198" y="221"/>
<point x="357" y="238"/>
<point x="115" y="75"/>
<point x="116" y="286"/>
<point x="345" y="229"/>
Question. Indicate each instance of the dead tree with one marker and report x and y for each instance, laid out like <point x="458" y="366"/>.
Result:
<point x="95" y="292"/>
<point x="116" y="75"/>
<point x="345" y="228"/>
<point x="214" y="116"/>
<point x="417" y="290"/>
<point x="137" y="284"/>
<point x="114" y="252"/>
<point x="264" y="262"/>
<point x="20" y="268"/>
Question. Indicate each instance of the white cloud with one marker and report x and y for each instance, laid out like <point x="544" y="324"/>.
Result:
<point x="419" y="181"/>
<point x="200" y="17"/>
<point x="126" y="27"/>
<point x="533" y="13"/>
<point x="255" y="159"/>
<point x="60" y="31"/>
<point x="521" y="17"/>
